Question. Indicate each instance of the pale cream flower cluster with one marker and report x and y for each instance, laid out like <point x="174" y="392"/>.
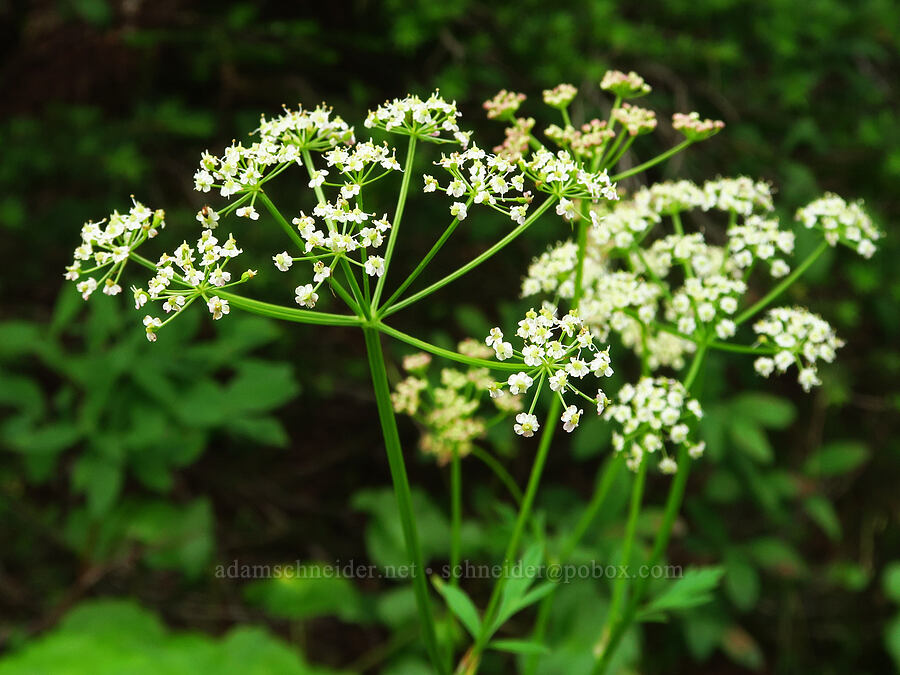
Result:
<point x="653" y="414"/>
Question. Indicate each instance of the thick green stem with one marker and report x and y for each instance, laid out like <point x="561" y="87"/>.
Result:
<point x="288" y="313"/>
<point x="453" y="276"/>
<point x="763" y="302"/>
<point x="398" y="215"/>
<point x="402" y="492"/>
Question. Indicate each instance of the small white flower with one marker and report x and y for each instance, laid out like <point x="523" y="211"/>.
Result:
<point x="375" y="266"/>
<point x="696" y="451"/>
<point x="503" y="350"/>
<point x="247" y="212"/>
<point x="764" y="366"/>
<point x="558" y="381"/>
<point x="602" y="401"/>
<point x="458" y="210"/>
<point x="218" y="307"/>
<point x="570" y="418"/>
<point x="283" y="261"/>
<point x="494" y="337"/>
<point x="668" y="466"/>
<point x="519" y="383"/>
<point x="306" y="296"/>
<point x="321" y="271"/>
<point x="526" y="424"/>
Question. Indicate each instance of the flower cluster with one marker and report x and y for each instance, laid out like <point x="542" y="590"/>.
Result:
<point x="741" y="195"/>
<point x="483" y="179"/>
<point x="623" y="225"/>
<point x="637" y="121"/>
<point x="515" y="145"/>
<point x="560" y="96"/>
<point x="357" y="163"/>
<point x="670" y="197"/>
<point x="653" y="413"/>
<point x="760" y="238"/>
<point x="624" y="86"/>
<point x="842" y="222"/>
<point x="188" y="273"/>
<point x="799" y="338"/>
<point x="695" y="129"/>
<point x="282" y="141"/>
<point x="558" y="351"/>
<point x="709" y="300"/>
<point x="561" y="175"/>
<point x="109" y="247"/>
<point x="504" y="104"/>
<point x="448" y="409"/>
<point x="430" y="119"/>
<point x="586" y="142"/>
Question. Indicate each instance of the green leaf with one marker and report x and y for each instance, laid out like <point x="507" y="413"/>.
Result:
<point x="776" y="556"/>
<point x="741" y="582"/>
<point x="772" y="412"/>
<point x="892" y="640"/>
<point x="742" y="648"/>
<point x="260" y="430"/>
<point x="823" y="514"/>
<point x="306" y="591"/>
<point x="519" y="647"/>
<point x="890" y="581"/>
<point x="750" y="437"/>
<point x="836" y="458"/>
<point x="18" y="338"/>
<point x="100" y="480"/>
<point x="260" y="386"/>
<point x="693" y="589"/>
<point x="461" y="606"/>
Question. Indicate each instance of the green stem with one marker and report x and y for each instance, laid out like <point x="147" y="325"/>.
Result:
<point x="763" y="302"/>
<point x="500" y="472"/>
<point x="604" y="483"/>
<point x="512" y="547"/>
<point x="673" y="505"/>
<point x="398" y="214"/>
<point x="653" y="162"/>
<point x="446" y="353"/>
<point x="424" y="263"/>
<point x="634" y="509"/>
<point x="354" y="287"/>
<point x="455" y="515"/>
<point x="288" y="313"/>
<point x="453" y="276"/>
<point x="402" y="492"/>
<point x="281" y="220"/>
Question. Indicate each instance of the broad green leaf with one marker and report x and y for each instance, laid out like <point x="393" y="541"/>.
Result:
<point x="519" y="647"/>
<point x="99" y="479"/>
<point x="751" y="438"/>
<point x="693" y="589"/>
<point x="461" y="606"/>
<point x="772" y="412"/>
<point x="836" y="458"/>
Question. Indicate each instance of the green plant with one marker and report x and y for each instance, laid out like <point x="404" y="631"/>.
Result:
<point x="672" y="300"/>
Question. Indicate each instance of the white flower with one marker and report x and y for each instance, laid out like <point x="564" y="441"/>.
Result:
<point x="218" y="307"/>
<point x="375" y="266"/>
<point x="283" y="261"/>
<point x="526" y="424"/>
<point x="668" y="466"/>
<point x="494" y="337"/>
<point x="558" y="381"/>
<point x="458" y="210"/>
<point x="519" y="382"/>
<point x="503" y="350"/>
<point x="306" y="296"/>
<point x="321" y="271"/>
<point x="764" y="366"/>
<point x="431" y="184"/>
<point x="696" y="451"/>
<point x="602" y="401"/>
<point x="533" y="355"/>
<point x="570" y="417"/>
<point x="247" y="212"/>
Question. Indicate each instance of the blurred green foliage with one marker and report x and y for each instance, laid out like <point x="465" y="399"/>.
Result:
<point x="797" y="502"/>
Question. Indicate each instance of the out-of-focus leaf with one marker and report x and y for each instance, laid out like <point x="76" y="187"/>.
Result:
<point x="836" y="458"/>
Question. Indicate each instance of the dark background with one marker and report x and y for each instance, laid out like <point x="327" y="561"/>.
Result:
<point x="104" y="99"/>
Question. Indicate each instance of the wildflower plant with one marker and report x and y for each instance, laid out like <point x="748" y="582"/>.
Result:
<point x="633" y="271"/>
